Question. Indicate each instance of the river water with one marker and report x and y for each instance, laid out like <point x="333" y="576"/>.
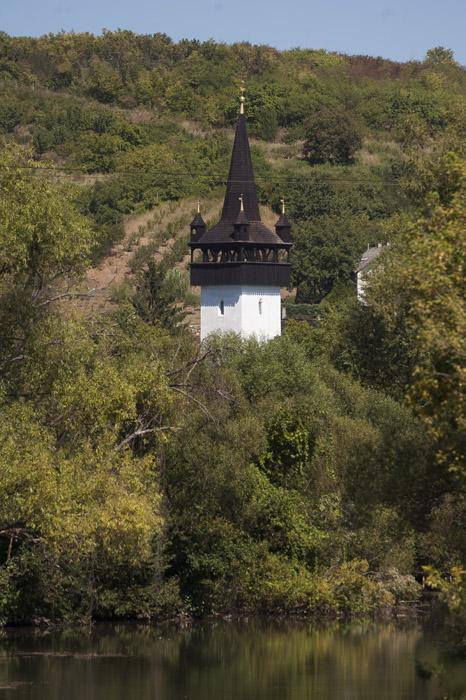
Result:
<point x="255" y="660"/>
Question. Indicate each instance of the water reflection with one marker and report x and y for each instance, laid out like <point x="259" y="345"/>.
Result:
<point x="245" y="661"/>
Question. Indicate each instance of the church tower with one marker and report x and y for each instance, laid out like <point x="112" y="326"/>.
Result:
<point x="239" y="263"/>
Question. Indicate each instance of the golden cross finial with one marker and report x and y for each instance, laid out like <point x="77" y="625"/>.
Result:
<point x="283" y="204"/>
<point x="241" y="99"/>
<point x="241" y="206"/>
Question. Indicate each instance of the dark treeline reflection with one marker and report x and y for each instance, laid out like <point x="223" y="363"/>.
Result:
<point x="246" y="661"/>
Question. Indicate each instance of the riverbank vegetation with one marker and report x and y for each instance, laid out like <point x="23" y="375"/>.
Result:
<point x="142" y="476"/>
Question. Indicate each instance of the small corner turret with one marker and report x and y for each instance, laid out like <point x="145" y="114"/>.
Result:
<point x="198" y="225"/>
<point x="241" y="225"/>
<point x="283" y="226"/>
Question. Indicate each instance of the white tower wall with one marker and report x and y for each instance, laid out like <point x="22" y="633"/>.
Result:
<point x="247" y="310"/>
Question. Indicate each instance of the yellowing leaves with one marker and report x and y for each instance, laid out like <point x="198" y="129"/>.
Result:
<point x="98" y="503"/>
<point x="29" y="482"/>
<point x="41" y="230"/>
<point x="423" y="282"/>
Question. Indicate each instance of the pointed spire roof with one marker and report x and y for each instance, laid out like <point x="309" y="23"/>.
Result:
<point x="283" y="220"/>
<point x="198" y="220"/>
<point x="241" y="178"/>
<point x="241" y="204"/>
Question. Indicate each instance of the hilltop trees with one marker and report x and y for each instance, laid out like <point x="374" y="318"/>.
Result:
<point x="196" y="80"/>
<point x="439" y="54"/>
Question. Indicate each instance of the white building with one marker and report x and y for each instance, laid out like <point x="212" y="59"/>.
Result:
<point x="245" y="309"/>
<point x="365" y="268"/>
<point x="239" y="263"/>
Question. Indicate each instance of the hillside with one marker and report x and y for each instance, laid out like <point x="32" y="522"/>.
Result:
<point x="137" y="120"/>
<point x="145" y="75"/>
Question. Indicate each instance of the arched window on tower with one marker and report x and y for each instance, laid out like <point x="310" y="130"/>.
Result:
<point x="221" y="308"/>
<point x="260" y="307"/>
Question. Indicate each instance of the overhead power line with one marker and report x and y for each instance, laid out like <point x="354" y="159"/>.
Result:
<point x="62" y="172"/>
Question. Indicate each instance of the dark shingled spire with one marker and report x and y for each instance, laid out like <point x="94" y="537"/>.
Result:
<point x="242" y="223"/>
<point x="241" y="179"/>
<point x="240" y="185"/>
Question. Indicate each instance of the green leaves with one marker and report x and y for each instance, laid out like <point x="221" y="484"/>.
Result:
<point x="325" y="253"/>
<point x="41" y="232"/>
<point x="77" y="466"/>
<point x="156" y="297"/>
<point x="286" y="459"/>
<point x="421" y="284"/>
<point x="331" y="137"/>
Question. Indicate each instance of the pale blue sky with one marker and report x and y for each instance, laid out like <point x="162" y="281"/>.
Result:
<point x="397" y="29"/>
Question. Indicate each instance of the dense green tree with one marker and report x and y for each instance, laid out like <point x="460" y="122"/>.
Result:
<point x="43" y="236"/>
<point x="269" y="475"/>
<point x="10" y="116"/>
<point x="157" y="171"/>
<point x="157" y="299"/>
<point x="326" y="252"/>
<point x="331" y="137"/>
<point x="99" y="152"/>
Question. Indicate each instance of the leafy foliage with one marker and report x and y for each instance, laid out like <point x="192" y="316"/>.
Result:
<point x="41" y="233"/>
<point x="427" y="292"/>
<point x="452" y="590"/>
<point x="331" y="137"/>
<point x="155" y="299"/>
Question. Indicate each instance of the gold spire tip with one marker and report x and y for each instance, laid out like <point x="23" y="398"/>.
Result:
<point x="283" y="204"/>
<point x="241" y="99"/>
<point x="198" y="207"/>
<point x="241" y="206"/>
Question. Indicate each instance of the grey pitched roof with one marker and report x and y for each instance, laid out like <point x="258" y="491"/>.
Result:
<point x="369" y="256"/>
